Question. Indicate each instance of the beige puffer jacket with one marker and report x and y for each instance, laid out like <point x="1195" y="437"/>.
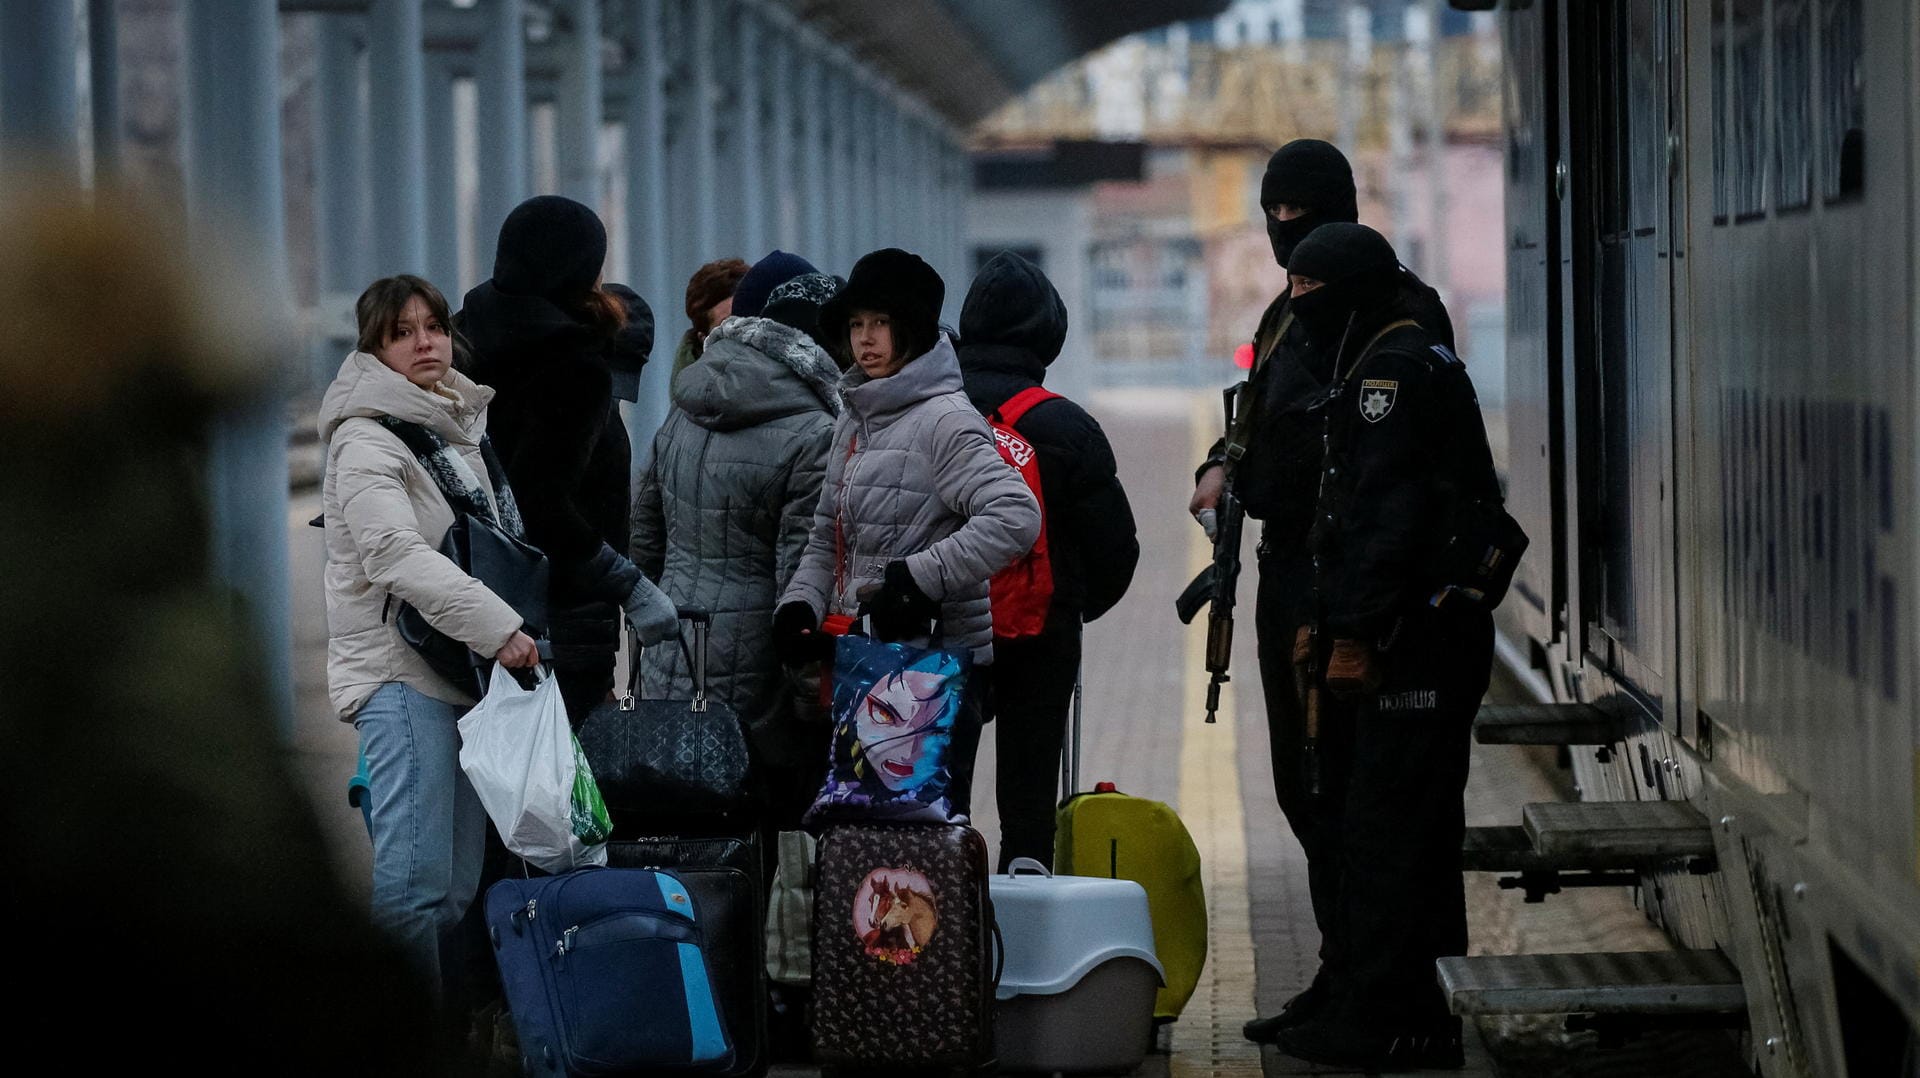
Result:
<point x="913" y="475"/>
<point x="385" y="519"/>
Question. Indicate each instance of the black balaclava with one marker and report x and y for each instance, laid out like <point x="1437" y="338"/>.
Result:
<point x="1311" y="173"/>
<point x="1357" y="270"/>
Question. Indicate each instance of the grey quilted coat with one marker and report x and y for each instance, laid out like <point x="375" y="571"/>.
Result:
<point x="914" y="475"/>
<point x="724" y="505"/>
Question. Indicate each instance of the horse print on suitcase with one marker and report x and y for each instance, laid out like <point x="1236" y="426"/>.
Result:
<point x="903" y="948"/>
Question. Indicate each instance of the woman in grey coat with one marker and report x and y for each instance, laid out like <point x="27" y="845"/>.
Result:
<point x="918" y="510"/>
<point x="723" y="509"/>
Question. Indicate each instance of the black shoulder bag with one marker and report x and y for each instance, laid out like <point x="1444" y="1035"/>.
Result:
<point x="487" y="547"/>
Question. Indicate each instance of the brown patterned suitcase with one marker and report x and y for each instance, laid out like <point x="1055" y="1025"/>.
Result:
<point x="903" y="949"/>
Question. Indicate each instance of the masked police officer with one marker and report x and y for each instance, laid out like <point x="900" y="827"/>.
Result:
<point x="1392" y="660"/>
<point x="1274" y="456"/>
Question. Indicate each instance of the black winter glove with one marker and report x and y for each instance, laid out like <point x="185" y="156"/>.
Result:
<point x="900" y="610"/>
<point x="797" y="639"/>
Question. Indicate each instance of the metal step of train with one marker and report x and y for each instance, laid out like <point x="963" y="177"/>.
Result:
<point x="1586" y="832"/>
<point x="1649" y="984"/>
<point x="1547" y="724"/>
<point x="1589" y="844"/>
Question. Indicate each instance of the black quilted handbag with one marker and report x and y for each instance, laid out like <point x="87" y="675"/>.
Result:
<point x="670" y="763"/>
<point x="511" y="569"/>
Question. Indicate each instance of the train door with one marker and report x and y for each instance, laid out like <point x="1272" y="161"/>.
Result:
<point x="1531" y="468"/>
<point x="1624" y="112"/>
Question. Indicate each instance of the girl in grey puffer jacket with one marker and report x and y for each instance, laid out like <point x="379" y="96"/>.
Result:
<point x="918" y="510"/>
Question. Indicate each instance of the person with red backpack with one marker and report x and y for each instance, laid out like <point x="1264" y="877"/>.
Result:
<point x="1012" y="326"/>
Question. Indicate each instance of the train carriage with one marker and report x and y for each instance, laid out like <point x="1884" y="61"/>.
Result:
<point x="1713" y="320"/>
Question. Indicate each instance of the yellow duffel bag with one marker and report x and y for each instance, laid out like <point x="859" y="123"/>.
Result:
<point x="1108" y="833"/>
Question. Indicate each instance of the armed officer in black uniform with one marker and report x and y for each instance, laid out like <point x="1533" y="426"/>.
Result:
<point x="1274" y="456"/>
<point x="1406" y="478"/>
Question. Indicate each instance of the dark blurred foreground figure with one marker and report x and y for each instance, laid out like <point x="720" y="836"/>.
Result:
<point x="180" y="899"/>
<point x="1011" y="329"/>
<point x="1398" y="677"/>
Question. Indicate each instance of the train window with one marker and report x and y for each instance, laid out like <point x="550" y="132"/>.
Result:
<point x="1720" y="148"/>
<point x="1748" y="52"/>
<point x="1793" y="103"/>
<point x="1643" y="119"/>
<point x="1842" y="82"/>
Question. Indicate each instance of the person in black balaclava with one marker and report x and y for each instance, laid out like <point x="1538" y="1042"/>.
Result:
<point x="1272" y="458"/>
<point x="1308" y="183"/>
<point x="1398" y="662"/>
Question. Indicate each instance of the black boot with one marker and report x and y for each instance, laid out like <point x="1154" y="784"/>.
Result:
<point x="1301" y="1007"/>
<point x="1435" y="1046"/>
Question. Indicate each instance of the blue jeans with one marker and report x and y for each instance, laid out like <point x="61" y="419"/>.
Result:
<point x="429" y="829"/>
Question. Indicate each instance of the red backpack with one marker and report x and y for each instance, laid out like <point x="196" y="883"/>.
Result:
<point x="1023" y="591"/>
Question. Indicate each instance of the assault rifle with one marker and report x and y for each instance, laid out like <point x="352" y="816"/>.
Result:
<point x="1217" y="582"/>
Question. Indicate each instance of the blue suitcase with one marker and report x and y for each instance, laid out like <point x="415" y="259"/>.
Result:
<point x="605" y="971"/>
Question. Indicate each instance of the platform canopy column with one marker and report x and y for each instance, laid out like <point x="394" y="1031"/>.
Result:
<point x="500" y="92"/>
<point x="578" y="104"/>
<point x="396" y="93"/>
<point x="235" y="210"/>
<point x="39" y="93"/>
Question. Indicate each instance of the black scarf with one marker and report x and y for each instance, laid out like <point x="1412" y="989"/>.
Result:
<point x="455" y="478"/>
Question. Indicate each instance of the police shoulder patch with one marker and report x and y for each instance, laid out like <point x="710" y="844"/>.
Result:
<point x="1376" y="398"/>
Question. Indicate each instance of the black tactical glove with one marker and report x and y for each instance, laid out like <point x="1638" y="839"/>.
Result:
<point x="900" y="610"/>
<point x="797" y="639"/>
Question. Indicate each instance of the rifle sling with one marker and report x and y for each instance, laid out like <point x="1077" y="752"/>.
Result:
<point x="1250" y="406"/>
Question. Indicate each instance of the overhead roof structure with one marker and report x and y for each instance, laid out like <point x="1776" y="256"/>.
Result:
<point x="965" y="58"/>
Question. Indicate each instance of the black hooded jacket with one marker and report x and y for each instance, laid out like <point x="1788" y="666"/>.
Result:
<point x="554" y="423"/>
<point x="1011" y="327"/>
<point x="1277" y="480"/>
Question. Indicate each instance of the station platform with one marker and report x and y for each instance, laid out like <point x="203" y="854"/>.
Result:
<point x="1145" y="685"/>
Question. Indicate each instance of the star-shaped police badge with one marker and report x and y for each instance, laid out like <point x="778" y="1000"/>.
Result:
<point x="1376" y="398"/>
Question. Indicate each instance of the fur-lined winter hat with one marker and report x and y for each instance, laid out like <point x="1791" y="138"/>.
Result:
<point x="891" y="280"/>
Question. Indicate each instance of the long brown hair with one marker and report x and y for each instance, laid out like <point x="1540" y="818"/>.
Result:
<point x="603" y="311"/>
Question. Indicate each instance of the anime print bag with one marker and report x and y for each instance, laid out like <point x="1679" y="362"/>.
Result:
<point x="894" y="710"/>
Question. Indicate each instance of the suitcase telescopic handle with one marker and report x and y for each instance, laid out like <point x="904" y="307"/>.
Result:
<point x="1070" y="752"/>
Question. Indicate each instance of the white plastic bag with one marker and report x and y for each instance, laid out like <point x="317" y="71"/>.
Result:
<point x="523" y="761"/>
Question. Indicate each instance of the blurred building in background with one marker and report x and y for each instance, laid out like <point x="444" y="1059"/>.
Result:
<point x="1176" y="263"/>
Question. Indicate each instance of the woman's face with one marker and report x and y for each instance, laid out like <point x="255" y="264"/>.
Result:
<point x="421" y="349"/>
<point x="870" y="337"/>
<point x="719" y="313"/>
